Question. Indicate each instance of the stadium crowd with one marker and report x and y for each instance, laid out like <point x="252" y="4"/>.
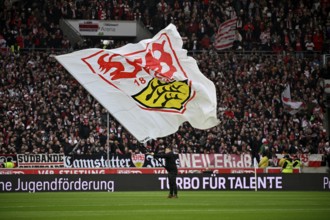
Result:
<point x="44" y="110"/>
<point x="266" y="25"/>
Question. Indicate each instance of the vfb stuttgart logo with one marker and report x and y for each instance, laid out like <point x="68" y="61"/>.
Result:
<point x="138" y="160"/>
<point x="146" y="75"/>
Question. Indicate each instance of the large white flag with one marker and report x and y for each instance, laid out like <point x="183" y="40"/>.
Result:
<point x="151" y="87"/>
<point x="294" y="107"/>
<point x="226" y="34"/>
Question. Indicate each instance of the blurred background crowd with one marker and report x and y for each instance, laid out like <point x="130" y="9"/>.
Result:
<point x="279" y="43"/>
<point x="269" y="25"/>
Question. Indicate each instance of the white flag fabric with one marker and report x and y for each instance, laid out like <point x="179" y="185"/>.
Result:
<point x="151" y="87"/>
<point x="255" y="163"/>
<point x="294" y="107"/>
<point x="226" y="34"/>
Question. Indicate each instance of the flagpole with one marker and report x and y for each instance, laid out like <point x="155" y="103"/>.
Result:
<point x="108" y="129"/>
<point x="255" y="173"/>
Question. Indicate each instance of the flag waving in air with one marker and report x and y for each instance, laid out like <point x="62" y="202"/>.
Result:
<point x="226" y="34"/>
<point x="293" y="107"/>
<point x="151" y="87"/>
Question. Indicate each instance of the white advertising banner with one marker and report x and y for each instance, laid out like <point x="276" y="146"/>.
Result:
<point x="104" y="28"/>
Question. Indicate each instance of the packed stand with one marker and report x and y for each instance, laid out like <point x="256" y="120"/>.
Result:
<point x="44" y="110"/>
<point x="262" y="25"/>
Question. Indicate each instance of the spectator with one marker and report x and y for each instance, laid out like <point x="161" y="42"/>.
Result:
<point x="287" y="165"/>
<point x="264" y="162"/>
<point x="265" y="39"/>
<point x="296" y="162"/>
<point x="327" y="155"/>
<point x="309" y="46"/>
<point x="318" y="40"/>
